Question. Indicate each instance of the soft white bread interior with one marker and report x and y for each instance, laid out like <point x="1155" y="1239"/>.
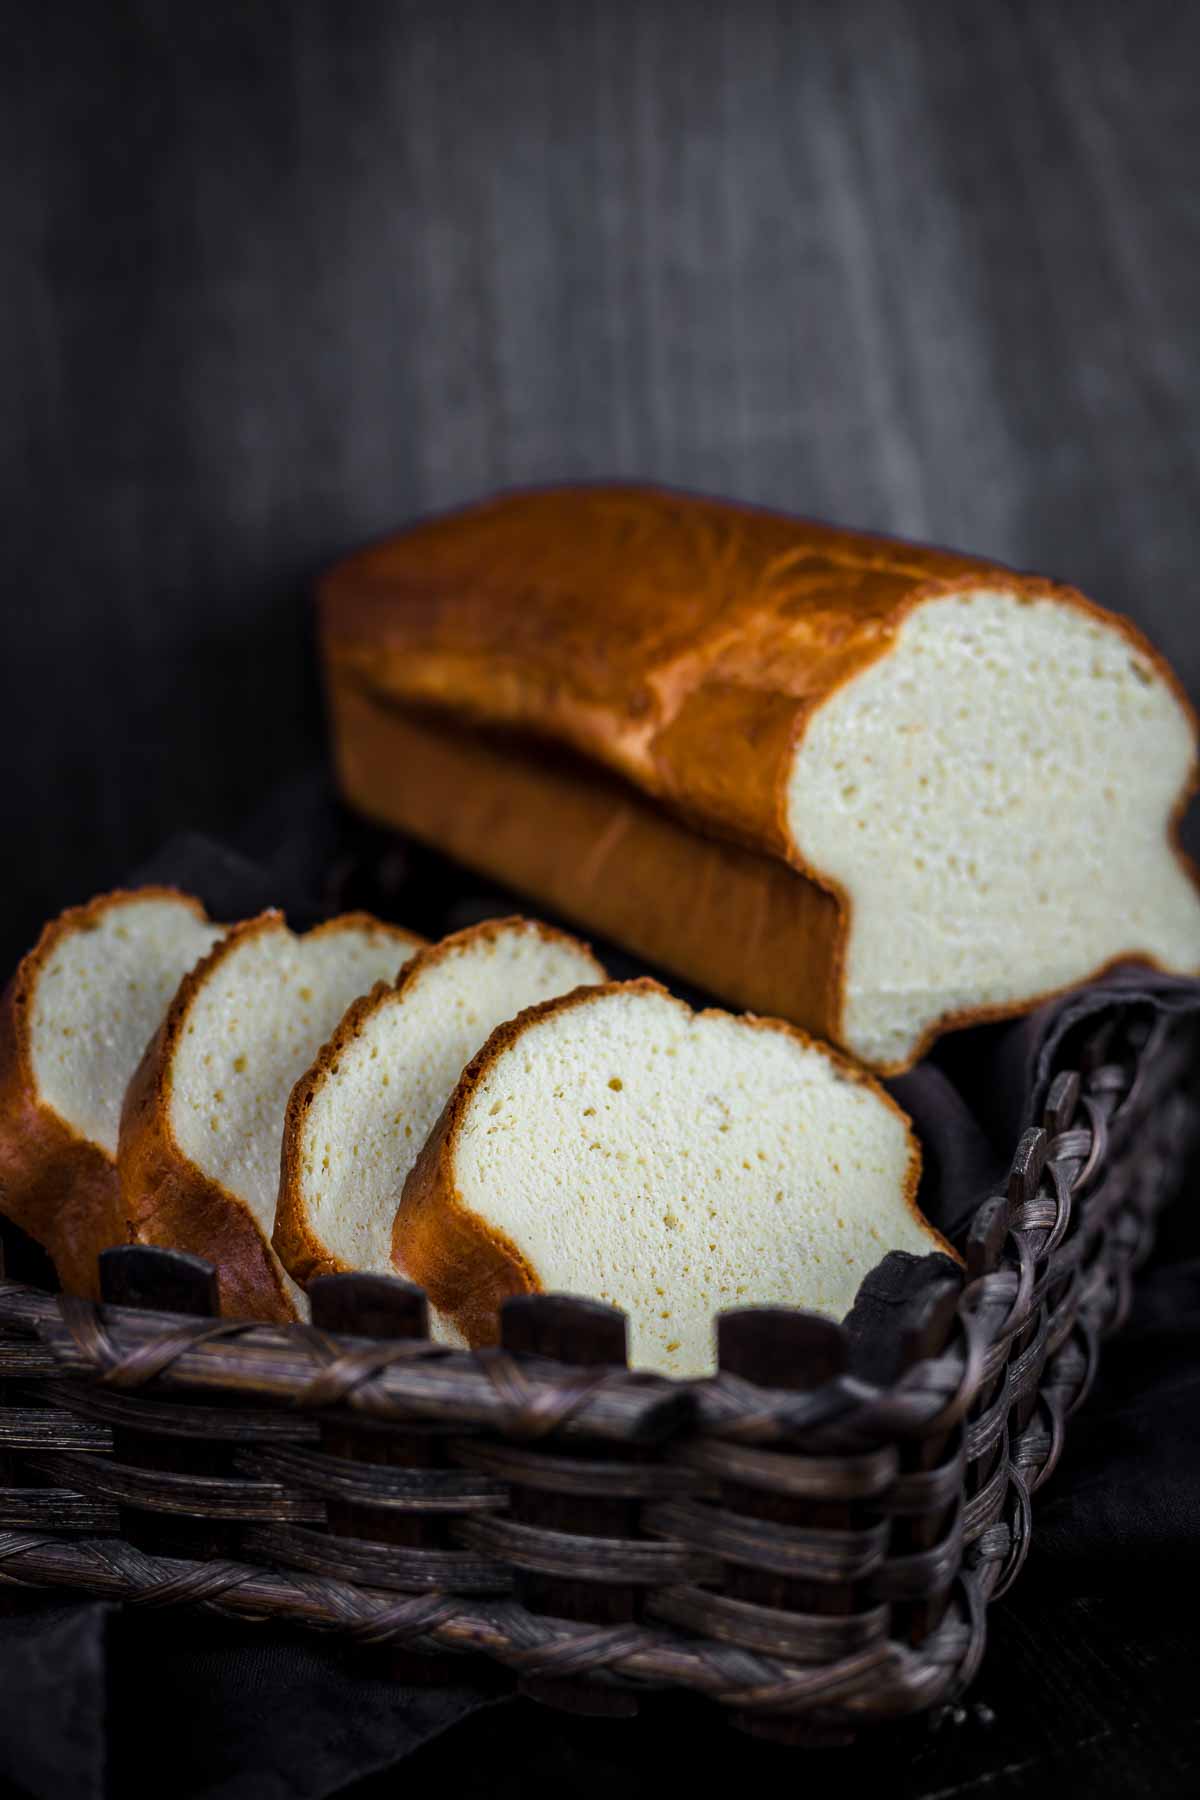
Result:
<point x="357" y="1119"/>
<point x="203" y="1121"/>
<point x="612" y="1143"/>
<point x="995" y="799"/>
<point x="76" y="1018"/>
<point x="101" y="994"/>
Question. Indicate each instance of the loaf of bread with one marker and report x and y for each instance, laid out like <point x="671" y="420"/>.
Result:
<point x="357" y="1119"/>
<point x="879" y="789"/>
<point x="613" y="1143"/>
<point x="74" y="1021"/>
<point x="199" y="1147"/>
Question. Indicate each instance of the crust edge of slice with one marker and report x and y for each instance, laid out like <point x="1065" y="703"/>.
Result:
<point x="59" y="1187"/>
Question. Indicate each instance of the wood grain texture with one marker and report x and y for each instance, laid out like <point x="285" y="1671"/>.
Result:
<point x="281" y="277"/>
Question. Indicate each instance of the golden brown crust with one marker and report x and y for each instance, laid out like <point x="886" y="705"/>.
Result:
<point x="303" y="1254"/>
<point x="639" y="625"/>
<point x="466" y="1265"/>
<point x="168" y="1199"/>
<point x="60" y="1188"/>
<point x="678" y="641"/>
<point x="596" y="852"/>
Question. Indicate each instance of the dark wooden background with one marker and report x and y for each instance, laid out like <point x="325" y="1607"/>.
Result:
<point x="278" y="275"/>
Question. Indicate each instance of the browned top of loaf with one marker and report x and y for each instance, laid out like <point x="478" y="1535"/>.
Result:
<point x="679" y="639"/>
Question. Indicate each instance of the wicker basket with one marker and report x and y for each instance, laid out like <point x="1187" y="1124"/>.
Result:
<point x="811" y="1551"/>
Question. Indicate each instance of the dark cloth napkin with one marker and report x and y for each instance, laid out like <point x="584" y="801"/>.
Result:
<point x="100" y="1699"/>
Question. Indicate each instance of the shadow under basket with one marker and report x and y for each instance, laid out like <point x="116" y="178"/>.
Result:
<point x="812" y="1551"/>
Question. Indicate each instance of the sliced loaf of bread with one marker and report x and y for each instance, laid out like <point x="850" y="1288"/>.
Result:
<point x="357" y="1119"/>
<point x="74" y="1021"/>
<point x="930" y="790"/>
<point x="614" y="1144"/>
<point x="203" y="1116"/>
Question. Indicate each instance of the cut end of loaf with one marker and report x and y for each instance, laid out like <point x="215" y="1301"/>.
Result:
<point x="994" y="801"/>
<point x="616" y="1145"/>
<point x="101" y="990"/>
<point x="248" y="1027"/>
<point x="358" y="1119"/>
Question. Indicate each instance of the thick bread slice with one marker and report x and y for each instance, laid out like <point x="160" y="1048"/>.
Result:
<point x="973" y="777"/>
<point x="74" y="1020"/>
<point x="203" y="1116"/>
<point x="615" y="1144"/>
<point x="357" y="1119"/>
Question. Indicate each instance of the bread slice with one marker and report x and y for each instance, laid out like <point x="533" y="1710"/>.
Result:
<point x="948" y="790"/>
<point x="614" y="1144"/>
<point x="74" y="1021"/>
<point x="203" y="1117"/>
<point x="357" y="1119"/>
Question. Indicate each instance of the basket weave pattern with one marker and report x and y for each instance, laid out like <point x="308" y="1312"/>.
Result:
<point x="810" y="1549"/>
